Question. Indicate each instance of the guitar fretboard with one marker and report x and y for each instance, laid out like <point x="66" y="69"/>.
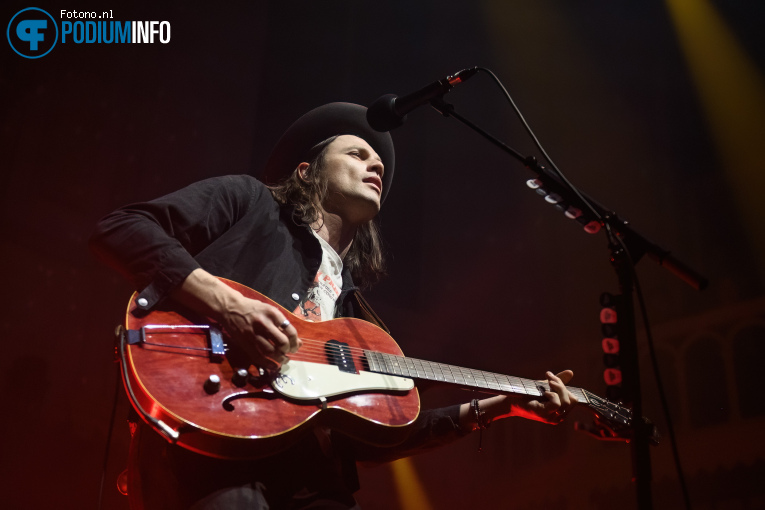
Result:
<point x="489" y="382"/>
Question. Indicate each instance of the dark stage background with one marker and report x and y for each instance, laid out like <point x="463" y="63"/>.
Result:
<point x="654" y="108"/>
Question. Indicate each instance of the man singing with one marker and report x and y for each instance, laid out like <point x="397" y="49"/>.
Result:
<point x="309" y="242"/>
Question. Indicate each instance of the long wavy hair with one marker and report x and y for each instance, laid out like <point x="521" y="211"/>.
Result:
<point x="365" y="259"/>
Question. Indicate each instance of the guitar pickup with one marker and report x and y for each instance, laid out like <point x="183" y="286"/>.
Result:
<point x="339" y="354"/>
<point x="216" y="347"/>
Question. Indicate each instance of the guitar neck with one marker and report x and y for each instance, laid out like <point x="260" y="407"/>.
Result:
<point x="487" y="382"/>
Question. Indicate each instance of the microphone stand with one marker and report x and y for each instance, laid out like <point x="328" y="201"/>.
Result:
<point x="627" y="247"/>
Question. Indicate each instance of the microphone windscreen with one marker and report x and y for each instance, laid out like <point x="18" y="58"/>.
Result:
<point x="381" y="114"/>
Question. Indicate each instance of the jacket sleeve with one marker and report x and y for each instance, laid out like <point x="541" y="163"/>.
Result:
<point x="432" y="429"/>
<point x="153" y="243"/>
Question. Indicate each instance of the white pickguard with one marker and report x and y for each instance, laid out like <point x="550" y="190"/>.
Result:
<point x="311" y="381"/>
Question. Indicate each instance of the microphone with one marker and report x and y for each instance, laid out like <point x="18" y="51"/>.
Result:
<point x="389" y="111"/>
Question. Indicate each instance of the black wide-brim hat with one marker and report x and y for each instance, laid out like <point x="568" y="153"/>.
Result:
<point x="316" y="126"/>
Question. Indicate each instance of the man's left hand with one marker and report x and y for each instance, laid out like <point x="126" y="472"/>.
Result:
<point x="559" y="401"/>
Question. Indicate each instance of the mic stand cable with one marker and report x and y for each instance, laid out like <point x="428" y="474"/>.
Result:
<point x="624" y="262"/>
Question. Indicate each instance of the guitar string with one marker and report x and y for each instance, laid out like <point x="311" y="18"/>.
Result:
<point x="320" y="348"/>
<point x="314" y="350"/>
<point x="449" y="373"/>
<point x="408" y="366"/>
<point x="317" y="350"/>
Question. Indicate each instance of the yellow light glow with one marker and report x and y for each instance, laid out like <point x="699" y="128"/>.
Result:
<point x="732" y="94"/>
<point x="411" y="494"/>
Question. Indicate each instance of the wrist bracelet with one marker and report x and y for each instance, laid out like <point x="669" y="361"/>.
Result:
<point x="480" y="420"/>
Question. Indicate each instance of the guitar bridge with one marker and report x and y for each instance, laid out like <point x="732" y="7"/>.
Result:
<point x="216" y="346"/>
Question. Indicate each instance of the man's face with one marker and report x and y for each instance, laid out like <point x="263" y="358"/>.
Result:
<point x="354" y="179"/>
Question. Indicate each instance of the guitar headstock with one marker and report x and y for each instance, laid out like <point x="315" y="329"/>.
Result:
<point x="614" y="422"/>
<point x="609" y="412"/>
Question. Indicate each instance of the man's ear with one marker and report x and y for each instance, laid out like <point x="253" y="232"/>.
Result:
<point x="302" y="169"/>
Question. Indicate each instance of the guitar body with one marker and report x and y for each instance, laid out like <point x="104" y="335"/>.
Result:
<point x="258" y="414"/>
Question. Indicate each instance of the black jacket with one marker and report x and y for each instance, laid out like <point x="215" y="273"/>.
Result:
<point x="233" y="228"/>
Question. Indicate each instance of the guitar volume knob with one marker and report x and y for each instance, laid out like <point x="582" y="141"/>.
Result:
<point x="212" y="384"/>
<point x="240" y="377"/>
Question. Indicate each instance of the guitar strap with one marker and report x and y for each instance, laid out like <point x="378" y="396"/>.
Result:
<point x="364" y="311"/>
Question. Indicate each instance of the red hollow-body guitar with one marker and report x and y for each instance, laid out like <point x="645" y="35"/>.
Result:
<point x="195" y="388"/>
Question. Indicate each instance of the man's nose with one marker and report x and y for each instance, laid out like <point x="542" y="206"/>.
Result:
<point x="377" y="167"/>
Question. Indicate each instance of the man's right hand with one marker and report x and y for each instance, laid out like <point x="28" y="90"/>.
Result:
<point x="261" y="330"/>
